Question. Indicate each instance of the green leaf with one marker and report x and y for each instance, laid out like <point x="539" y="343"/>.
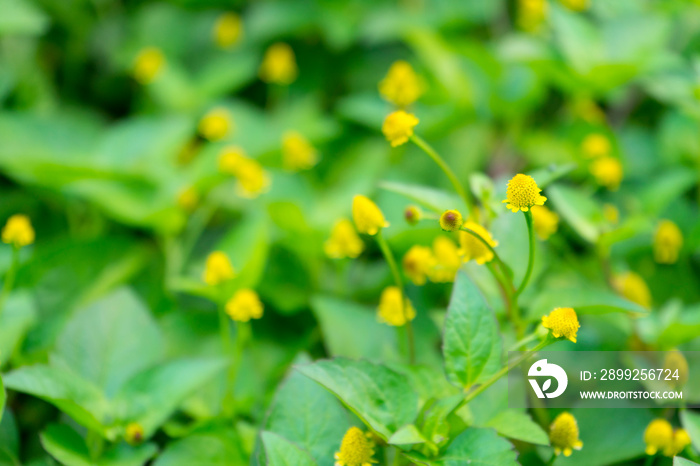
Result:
<point x="282" y="452"/>
<point x="382" y="398"/>
<point x="407" y="435"/>
<point x="17" y="317"/>
<point x="471" y="338"/>
<point x="433" y="199"/>
<point x="680" y="461"/>
<point x="3" y="398"/>
<point x="479" y="447"/>
<point x="109" y="341"/>
<point x="519" y="426"/>
<point x="435" y="426"/>
<point x="22" y="18"/>
<point x="9" y="441"/>
<point x="691" y="423"/>
<point x="588" y="300"/>
<point x="308" y="415"/>
<point x="211" y="446"/>
<point x="578" y="209"/>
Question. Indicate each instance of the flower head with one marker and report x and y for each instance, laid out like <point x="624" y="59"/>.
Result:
<point x="398" y="127"/>
<point x="188" y="198"/>
<point x="218" y="269"/>
<point x="596" y="145"/>
<point x="216" y="124"/>
<point x="668" y="241"/>
<point x="244" y="305"/>
<point x="451" y="220"/>
<point x="355" y="450"/>
<point x="472" y="248"/>
<point x="344" y="241"/>
<point x="18" y="231"/>
<point x="418" y="263"/>
<point x="633" y="287"/>
<point x="532" y="14"/>
<point x="228" y="30"/>
<point x="279" y="65"/>
<point x="367" y="216"/>
<point x="576" y="5"/>
<point x="523" y="193"/>
<point x="148" y="64"/>
<point x="392" y="310"/>
<point x="563" y="322"/>
<point x="607" y="172"/>
<point x="412" y="214"/>
<point x="447" y="260"/>
<point x="252" y="179"/>
<point x="401" y="85"/>
<point x="679" y="441"/>
<point x="658" y="436"/>
<point x="563" y="434"/>
<point x="133" y="433"/>
<point x="297" y="152"/>
<point x="545" y="221"/>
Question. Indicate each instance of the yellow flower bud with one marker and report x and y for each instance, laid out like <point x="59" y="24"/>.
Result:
<point x="563" y="322"/>
<point x="398" y="127"/>
<point x="244" y="305"/>
<point x="18" y="231"/>
<point x="401" y="85"/>
<point x="668" y="241"/>
<point x="596" y="145"/>
<point x="297" y="152"/>
<point x="367" y="216"/>
<point x="473" y="248"/>
<point x="633" y="287"/>
<point x="451" y="220"/>
<point x="392" y="311"/>
<point x="607" y="172"/>
<point x="216" y="124"/>
<point x="658" y="436"/>
<point x="133" y="433"/>
<point x="523" y="193"/>
<point x="545" y="221"/>
<point x="228" y="30"/>
<point x="447" y="260"/>
<point x="413" y="215"/>
<point x="148" y="65"/>
<point x="356" y="449"/>
<point x="218" y="269"/>
<point x="279" y="65"/>
<point x="563" y="434"/>
<point x="344" y="241"/>
<point x="417" y="263"/>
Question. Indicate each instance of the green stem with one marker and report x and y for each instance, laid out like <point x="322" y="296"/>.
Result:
<point x="95" y="444"/>
<point x="243" y="335"/>
<point x="501" y="286"/>
<point x="389" y="256"/>
<point x="10" y="277"/>
<point x="551" y="460"/>
<point x="225" y="333"/>
<point x="531" y="258"/>
<point x="468" y="201"/>
<point x="650" y="460"/>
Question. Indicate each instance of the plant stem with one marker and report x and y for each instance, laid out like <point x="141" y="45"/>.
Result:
<point x="225" y="332"/>
<point x="10" y="277"/>
<point x="531" y="258"/>
<point x="466" y="197"/>
<point x="243" y="334"/>
<point x="551" y="460"/>
<point x="389" y="256"/>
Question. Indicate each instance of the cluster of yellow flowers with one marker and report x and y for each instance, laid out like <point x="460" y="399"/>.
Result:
<point x="439" y="264"/>
<point x="245" y="303"/>
<point x="661" y="437"/>
<point x="606" y="169"/>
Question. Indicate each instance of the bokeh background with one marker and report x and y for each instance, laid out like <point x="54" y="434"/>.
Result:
<point x="115" y="115"/>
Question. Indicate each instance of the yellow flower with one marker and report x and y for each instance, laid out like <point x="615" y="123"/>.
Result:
<point x="596" y="145"/>
<point x="658" y="436"/>
<point x="344" y="241"/>
<point x="607" y="172"/>
<point x="472" y="248"/>
<point x="563" y="434"/>
<point x="216" y="124"/>
<point x="391" y="311"/>
<point x="563" y="322"/>
<point x="398" y="127"/>
<point x="244" y="305"/>
<point x="679" y="441"/>
<point x="451" y="220"/>
<point x="356" y="449"/>
<point x="297" y="152"/>
<point x="134" y="433"/>
<point x="367" y="216"/>
<point x="413" y="215"/>
<point x="187" y="199"/>
<point x="217" y="269"/>
<point x="18" y="231"/>
<point x="148" y="64"/>
<point x="545" y="221"/>
<point x="676" y="362"/>
<point x="531" y="14"/>
<point x="447" y="259"/>
<point x="611" y="213"/>
<point x="523" y="193"/>
<point x="251" y="177"/>
<point x="418" y="263"/>
<point x="401" y="85"/>
<point x="668" y="241"/>
<point x="632" y="286"/>
<point x="576" y="5"/>
<point x="228" y="30"/>
<point x="279" y="65"/>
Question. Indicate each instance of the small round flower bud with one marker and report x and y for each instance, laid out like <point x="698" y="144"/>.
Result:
<point x="134" y="433"/>
<point x="148" y="65"/>
<point x="451" y="220"/>
<point x="279" y="65"/>
<point x="413" y="214"/>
